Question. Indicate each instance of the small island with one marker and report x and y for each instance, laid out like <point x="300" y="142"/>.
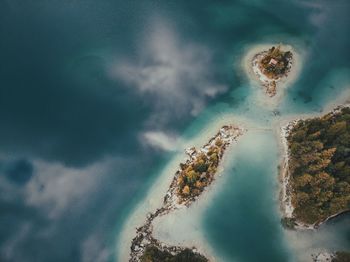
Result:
<point x="199" y="170"/>
<point x="189" y="182"/>
<point x="338" y="256"/>
<point x="317" y="172"/>
<point x="272" y="66"/>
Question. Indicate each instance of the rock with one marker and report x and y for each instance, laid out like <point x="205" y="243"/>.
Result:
<point x="323" y="257"/>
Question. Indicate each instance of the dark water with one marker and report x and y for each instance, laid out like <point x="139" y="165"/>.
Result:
<point x="82" y="82"/>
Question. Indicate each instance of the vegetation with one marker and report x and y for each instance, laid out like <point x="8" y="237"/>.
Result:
<point x="197" y="174"/>
<point x="276" y="63"/>
<point x="319" y="166"/>
<point x="288" y="222"/>
<point x="341" y="256"/>
<point x="153" y="254"/>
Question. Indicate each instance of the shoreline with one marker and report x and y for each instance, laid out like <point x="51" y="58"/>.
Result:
<point x="155" y="196"/>
<point x="271" y="85"/>
<point x="286" y="206"/>
<point x="258" y="80"/>
<point x="173" y="200"/>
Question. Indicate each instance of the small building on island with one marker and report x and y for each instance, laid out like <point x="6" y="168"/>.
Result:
<point x="273" y="62"/>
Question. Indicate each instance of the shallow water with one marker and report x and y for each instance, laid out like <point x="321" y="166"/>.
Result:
<point x="64" y="100"/>
<point x="246" y="208"/>
<point x="242" y="223"/>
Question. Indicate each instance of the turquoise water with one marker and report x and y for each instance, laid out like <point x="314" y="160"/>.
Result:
<point x="246" y="209"/>
<point x="64" y="100"/>
<point x="243" y="224"/>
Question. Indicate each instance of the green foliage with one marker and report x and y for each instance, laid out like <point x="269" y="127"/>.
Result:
<point x="201" y="166"/>
<point x="153" y="254"/>
<point x="192" y="176"/>
<point x="198" y="173"/>
<point x="288" y="223"/>
<point x="320" y="166"/>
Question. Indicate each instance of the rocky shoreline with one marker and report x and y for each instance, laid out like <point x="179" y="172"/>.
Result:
<point x="335" y="256"/>
<point x="174" y="200"/>
<point x="268" y="82"/>
<point x="323" y="257"/>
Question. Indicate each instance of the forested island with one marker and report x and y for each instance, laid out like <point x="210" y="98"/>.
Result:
<point x="199" y="171"/>
<point x="319" y="168"/>
<point x="271" y="66"/>
<point x="189" y="182"/>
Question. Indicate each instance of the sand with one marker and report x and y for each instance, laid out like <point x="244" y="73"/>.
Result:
<point x="185" y="223"/>
<point x="154" y="197"/>
<point x="285" y="82"/>
<point x="190" y="232"/>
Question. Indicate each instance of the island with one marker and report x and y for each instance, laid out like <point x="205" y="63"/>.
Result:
<point x="317" y="171"/>
<point x="189" y="182"/>
<point x="199" y="170"/>
<point x="338" y="256"/>
<point x="271" y="66"/>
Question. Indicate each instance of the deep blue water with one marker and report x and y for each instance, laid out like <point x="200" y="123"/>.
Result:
<point x="82" y="82"/>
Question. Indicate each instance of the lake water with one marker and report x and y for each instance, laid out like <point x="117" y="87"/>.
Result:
<point x="247" y="208"/>
<point x="243" y="221"/>
<point x="103" y="93"/>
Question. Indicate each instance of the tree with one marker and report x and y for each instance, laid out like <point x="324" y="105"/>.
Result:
<point x="337" y="128"/>
<point x="192" y="176"/>
<point x="302" y="198"/>
<point x="214" y="158"/>
<point x="323" y="181"/>
<point x="186" y="190"/>
<point x="303" y="181"/>
<point x="201" y="166"/>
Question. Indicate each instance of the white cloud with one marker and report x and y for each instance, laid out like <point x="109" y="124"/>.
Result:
<point x="93" y="251"/>
<point x="161" y="140"/>
<point x="178" y="73"/>
<point x="59" y="193"/>
<point x="9" y="248"/>
<point x="56" y="187"/>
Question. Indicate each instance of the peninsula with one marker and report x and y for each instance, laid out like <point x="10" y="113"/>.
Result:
<point x="189" y="182"/>
<point x="317" y="171"/>
<point x="271" y="66"/>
